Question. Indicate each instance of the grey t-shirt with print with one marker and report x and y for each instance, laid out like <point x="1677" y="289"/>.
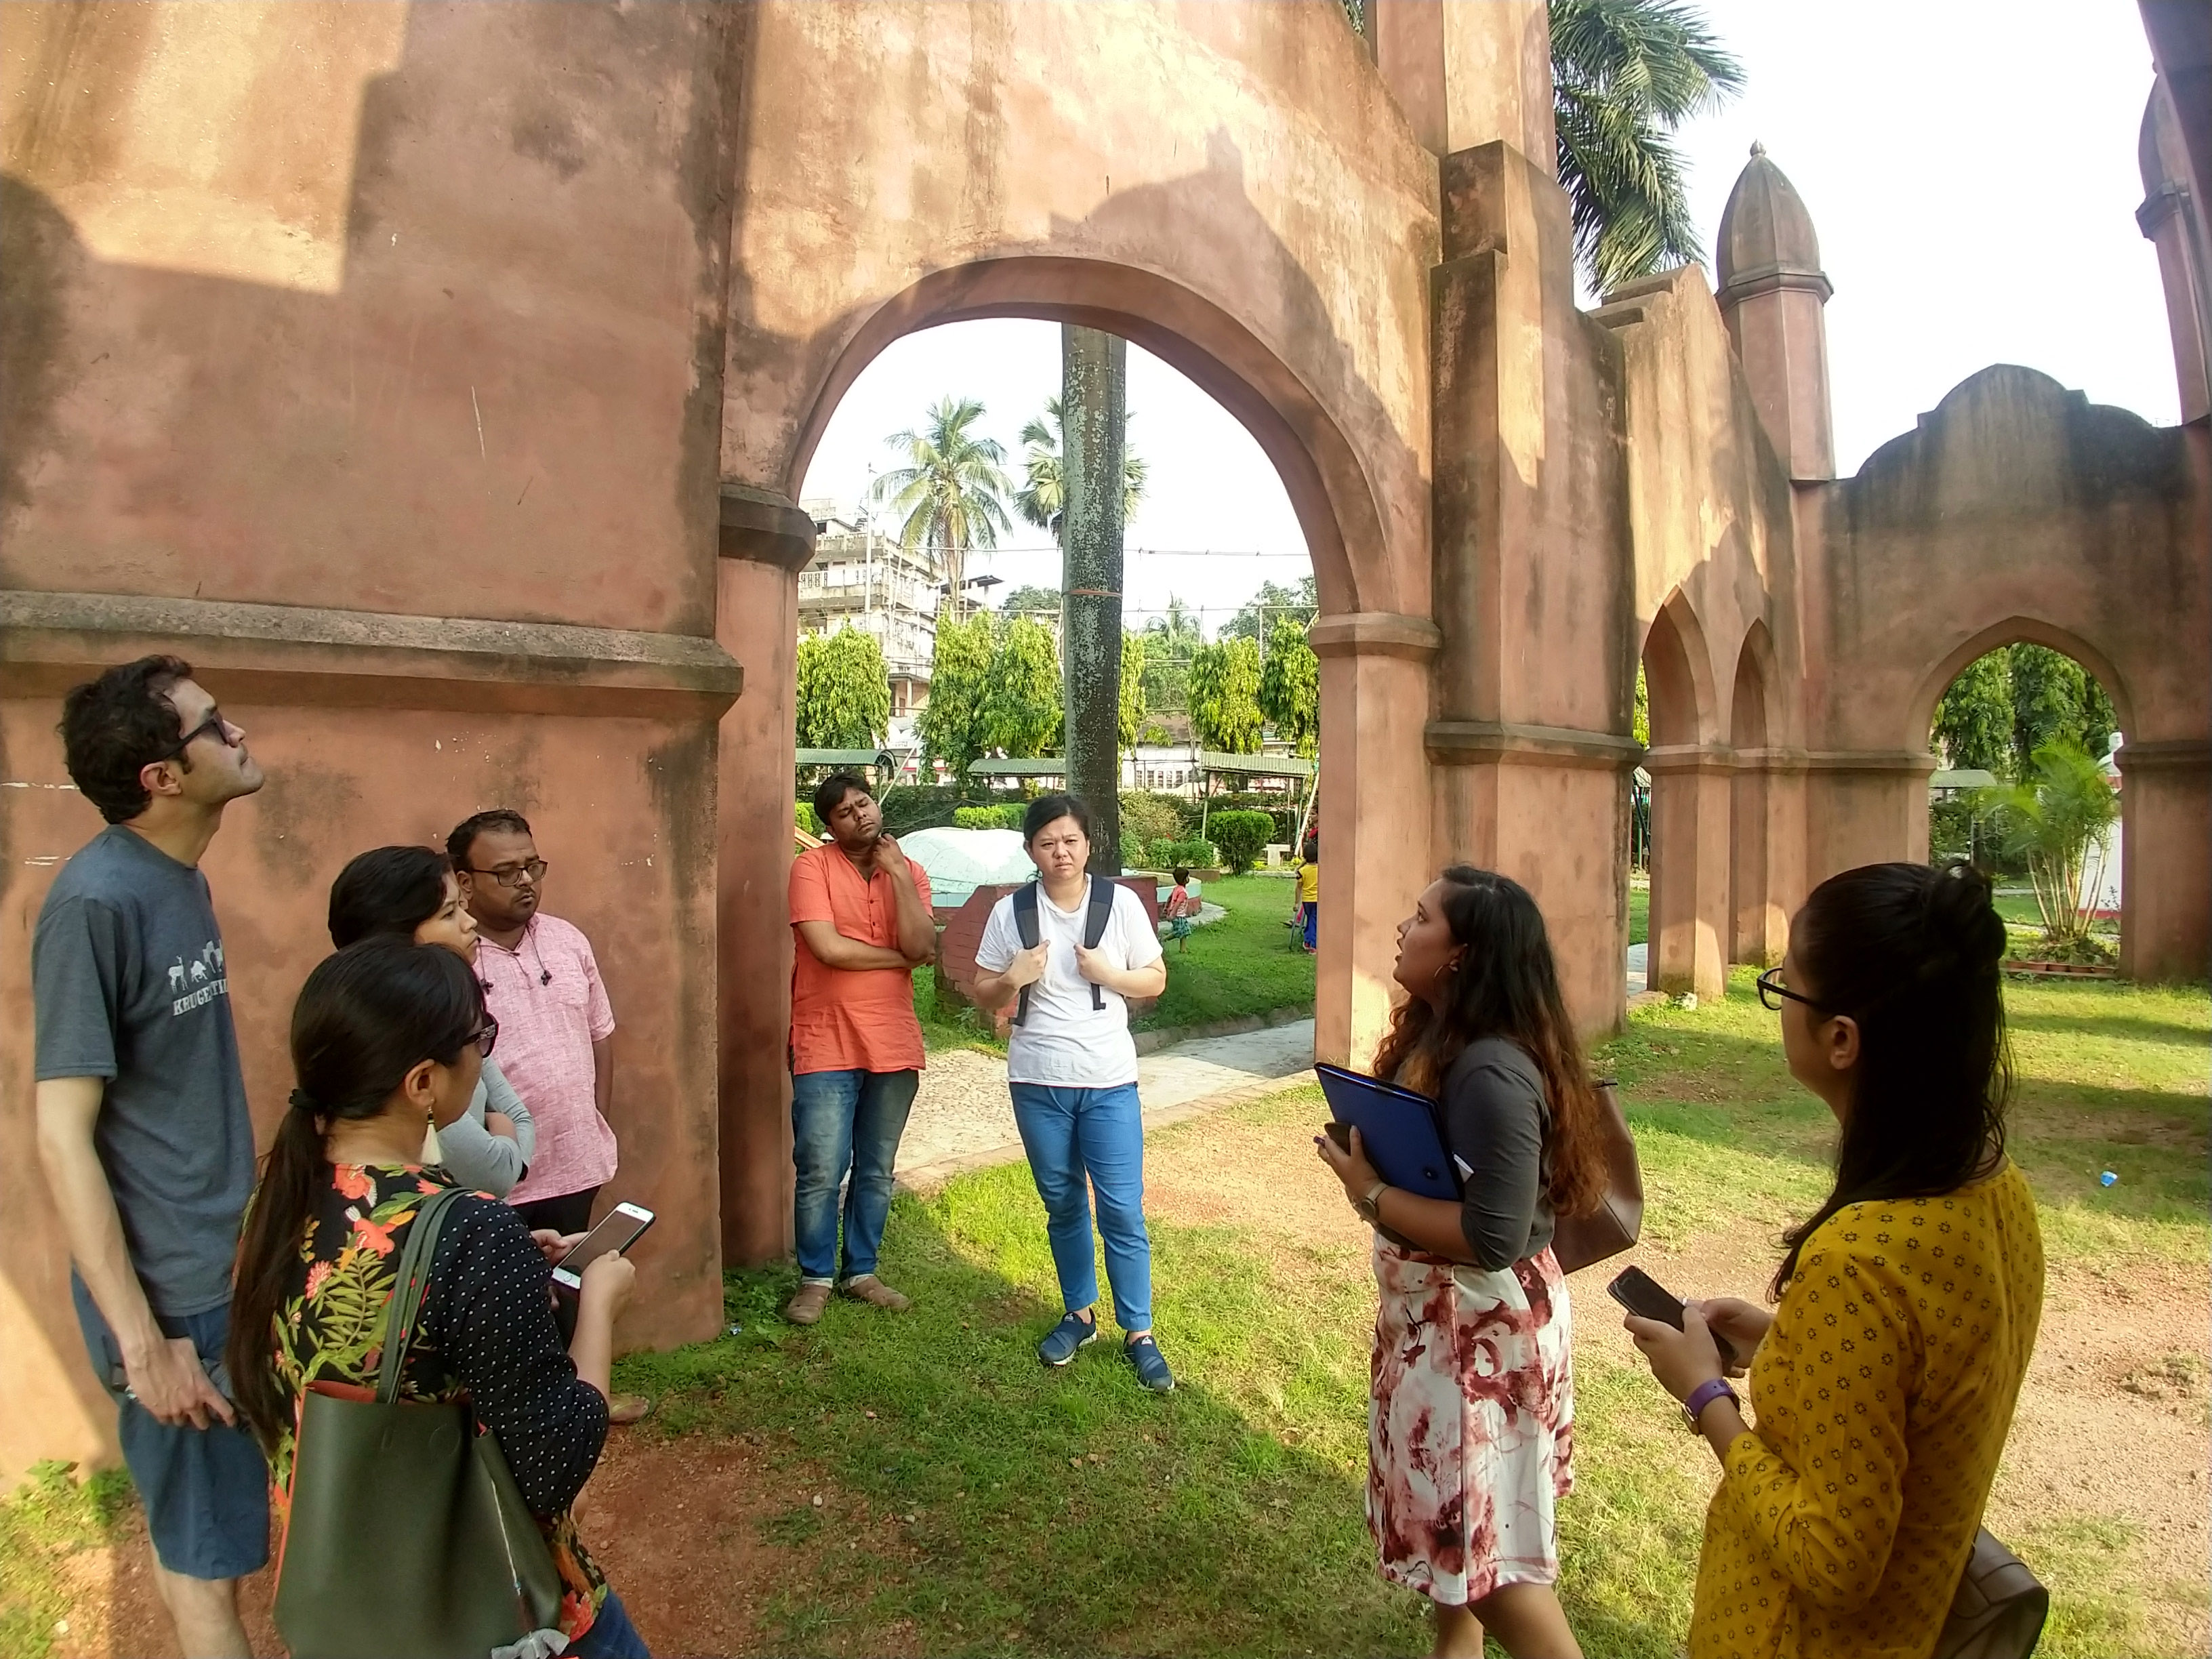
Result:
<point x="127" y="973"/>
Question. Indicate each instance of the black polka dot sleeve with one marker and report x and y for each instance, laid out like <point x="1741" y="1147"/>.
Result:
<point x="490" y="1315"/>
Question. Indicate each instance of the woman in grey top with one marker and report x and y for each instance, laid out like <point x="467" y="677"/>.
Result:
<point x="410" y="892"/>
<point x="1471" y="1418"/>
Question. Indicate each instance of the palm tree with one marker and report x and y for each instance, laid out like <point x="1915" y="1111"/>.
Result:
<point x="949" y="497"/>
<point x="1625" y="74"/>
<point x="1039" y="499"/>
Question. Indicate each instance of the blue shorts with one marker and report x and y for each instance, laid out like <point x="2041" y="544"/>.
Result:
<point x="206" y="1491"/>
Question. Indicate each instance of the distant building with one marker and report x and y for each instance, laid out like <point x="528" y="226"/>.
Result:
<point x="860" y="576"/>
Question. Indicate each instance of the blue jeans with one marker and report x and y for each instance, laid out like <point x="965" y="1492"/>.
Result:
<point x="206" y="1491"/>
<point x="843" y="1120"/>
<point x="1076" y="1139"/>
<point x="611" y="1635"/>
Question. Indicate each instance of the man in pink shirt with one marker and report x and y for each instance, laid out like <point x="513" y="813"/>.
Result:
<point x="542" y="985"/>
<point x="861" y="924"/>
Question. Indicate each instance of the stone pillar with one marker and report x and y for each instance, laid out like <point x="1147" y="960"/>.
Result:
<point x="1691" y="786"/>
<point x="1864" y="808"/>
<point x="765" y="542"/>
<point x="1375" y="857"/>
<point x="2170" y="217"/>
<point x="1468" y="72"/>
<point x="1094" y="393"/>
<point x="2165" y="876"/>
<point x="1766" y="877"/>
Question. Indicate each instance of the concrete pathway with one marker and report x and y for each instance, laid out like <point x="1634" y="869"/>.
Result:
<point x="964" y="1119"/>
<point x="1639" y="974"/>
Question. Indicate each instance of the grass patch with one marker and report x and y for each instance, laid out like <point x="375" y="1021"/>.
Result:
<point x="1640" y="910"/>
<point x="1057" y="1512"/>
<point x="47" y="1519"/>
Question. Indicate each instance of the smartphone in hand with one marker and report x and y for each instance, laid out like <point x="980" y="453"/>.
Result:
<point x="1645" y="1297"/>
<point x="622" y="1226"/>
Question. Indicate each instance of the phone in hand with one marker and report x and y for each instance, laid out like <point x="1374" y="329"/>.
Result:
<point x="1645" y="1297"/>
<point x="621" y="1227"/>
<point x="1339" y="1132"/>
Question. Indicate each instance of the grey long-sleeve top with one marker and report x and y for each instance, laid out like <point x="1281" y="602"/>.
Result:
<point x="1495" y="1117"/>
<point x="478" y="1159"/>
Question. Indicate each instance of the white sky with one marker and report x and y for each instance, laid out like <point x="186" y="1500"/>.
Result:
<point x="1970" y="166"/>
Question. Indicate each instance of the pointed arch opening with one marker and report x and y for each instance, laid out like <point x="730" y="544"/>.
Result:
<point x="1681" y="807"/>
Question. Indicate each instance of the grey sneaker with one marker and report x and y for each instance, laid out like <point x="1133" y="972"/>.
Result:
<point x="1151" y="1368"/>
<point x="806" y="1307"/>
<point x="1062" y="1340"/>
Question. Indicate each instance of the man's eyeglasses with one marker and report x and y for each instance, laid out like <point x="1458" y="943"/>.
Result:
<point x="486" y="1034"/>
<point x="508" y="875"/>
<point x="1773" y="993"/>
<point x="214" y="726"/>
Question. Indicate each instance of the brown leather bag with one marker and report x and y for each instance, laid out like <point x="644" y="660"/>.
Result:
<point x="1615" y="1225"/>
<point x="1999" y="1610"/>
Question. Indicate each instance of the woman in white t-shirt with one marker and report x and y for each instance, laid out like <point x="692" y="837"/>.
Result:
<point x="1071" y="1069"/>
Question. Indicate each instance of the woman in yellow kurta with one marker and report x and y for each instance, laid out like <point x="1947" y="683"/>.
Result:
<point x="1884" y="1381"/>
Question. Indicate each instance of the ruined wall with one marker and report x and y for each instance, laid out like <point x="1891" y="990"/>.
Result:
<point x="2017" y="510"/>
<point x="336" y="336"/>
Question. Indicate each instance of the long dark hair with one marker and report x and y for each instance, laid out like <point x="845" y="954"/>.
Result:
<point x="1506" y="986"/>
<point x="365" y="1018"/>
<point x="387" y="890"/>
<point x="1911" y="953"/>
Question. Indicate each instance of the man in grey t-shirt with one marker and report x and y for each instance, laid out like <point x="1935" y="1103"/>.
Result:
<point x="143" y="1125"/>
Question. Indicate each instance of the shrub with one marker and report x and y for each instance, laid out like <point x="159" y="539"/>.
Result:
<point x="1133" y="849"/>
<point x="922" y="806"/>
<point x="1153" y="817"/>
<point x="1198" y="854"/>
<point x="804" y="818"/>
<point x="990" y="817"/>
<point x="1240" y="835"/>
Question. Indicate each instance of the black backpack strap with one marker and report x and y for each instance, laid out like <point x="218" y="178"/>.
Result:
<point x="1095" y="920"/>
<point x="1025" y="930"/>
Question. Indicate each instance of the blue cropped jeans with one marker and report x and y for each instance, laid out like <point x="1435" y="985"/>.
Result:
<point x="1077" y="1140"/>
<point x="841" y="1122"/>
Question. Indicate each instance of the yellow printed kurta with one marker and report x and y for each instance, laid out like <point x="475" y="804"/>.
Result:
<point x="1883" y="1397"/>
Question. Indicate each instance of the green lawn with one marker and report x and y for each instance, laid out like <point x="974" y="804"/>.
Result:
<point x="1226" y="1519"/>
<point x="1245" y="964"/>
<point x="973" y="1503"/>
<point x="1639" y="911"/>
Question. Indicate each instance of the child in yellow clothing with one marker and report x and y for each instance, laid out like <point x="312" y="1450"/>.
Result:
<point x="1884" y="1381"/>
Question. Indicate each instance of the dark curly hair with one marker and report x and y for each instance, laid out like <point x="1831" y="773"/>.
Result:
<point x="114" y="727"/>
<point x="1911" y="955"/>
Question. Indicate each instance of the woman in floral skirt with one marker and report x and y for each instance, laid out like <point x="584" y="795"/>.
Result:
<point x="1471" y="1422"/>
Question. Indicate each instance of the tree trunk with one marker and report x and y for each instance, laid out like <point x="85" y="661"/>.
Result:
<point x="1094" y="387"/>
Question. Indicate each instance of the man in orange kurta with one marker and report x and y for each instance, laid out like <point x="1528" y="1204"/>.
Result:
<point x="861" y="924"/>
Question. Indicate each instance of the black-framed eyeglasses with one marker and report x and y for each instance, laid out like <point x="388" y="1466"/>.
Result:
<point x="1773" y="992"/>
<point x="508" y="874"/>
<point x="486" y="1034"/>
<point x="214" y="724"/>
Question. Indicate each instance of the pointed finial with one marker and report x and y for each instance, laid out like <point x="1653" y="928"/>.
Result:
<point x="1757" y="149"/>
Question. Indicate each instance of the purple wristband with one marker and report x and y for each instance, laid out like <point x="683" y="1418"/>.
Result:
<point x="1703" y="1395"/>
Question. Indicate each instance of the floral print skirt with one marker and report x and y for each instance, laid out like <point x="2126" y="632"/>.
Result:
<point x="1470" y="1428"/>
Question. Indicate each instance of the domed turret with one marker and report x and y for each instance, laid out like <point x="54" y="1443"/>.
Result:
<point x="1771" y="292"/>
<point x="1766" y="238"/>
<point x="2164" y="219"/>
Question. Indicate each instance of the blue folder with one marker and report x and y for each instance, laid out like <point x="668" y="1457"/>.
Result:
<point x="1397" y="1127"/>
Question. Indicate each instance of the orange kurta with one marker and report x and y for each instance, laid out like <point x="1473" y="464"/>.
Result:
<point x="849" y="1019"/>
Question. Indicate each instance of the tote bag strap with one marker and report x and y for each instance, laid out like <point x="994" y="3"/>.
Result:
<point x="411" y="1281"/>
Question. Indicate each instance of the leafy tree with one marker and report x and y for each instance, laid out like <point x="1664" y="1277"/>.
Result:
<point x="1171" y="640"/>
<point x="1290" y="686"/>
<point x="1973" y="721"/>
<point x="1132" y="721"/>
<point x="1031" y="601"/>
<point x="1640" y="719"/>
<point x="1022" y="701"/>
<point x="844" y="695"/>
<point x="1039" y="500"/>
<point x="1625" y="74"/>
<point x="948" y="497"/>
<point x="1251" y="623"/>
<point x="955" y="726"/>
<point x="2061" y="808"/>
<point x="1225" y="693"/>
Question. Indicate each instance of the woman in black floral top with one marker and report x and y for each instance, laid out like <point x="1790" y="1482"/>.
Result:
<point x="387" y="1034"/>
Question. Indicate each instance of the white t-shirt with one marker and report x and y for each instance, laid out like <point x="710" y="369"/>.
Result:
<point x="1065" y="1044"/>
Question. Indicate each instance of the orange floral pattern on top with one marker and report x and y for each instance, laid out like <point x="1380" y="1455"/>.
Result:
<point x="330" y="1329"/>
<point x="1883" y="1396"/>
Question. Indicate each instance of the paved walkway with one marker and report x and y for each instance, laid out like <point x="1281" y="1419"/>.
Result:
<point x="963" y="1119"/>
